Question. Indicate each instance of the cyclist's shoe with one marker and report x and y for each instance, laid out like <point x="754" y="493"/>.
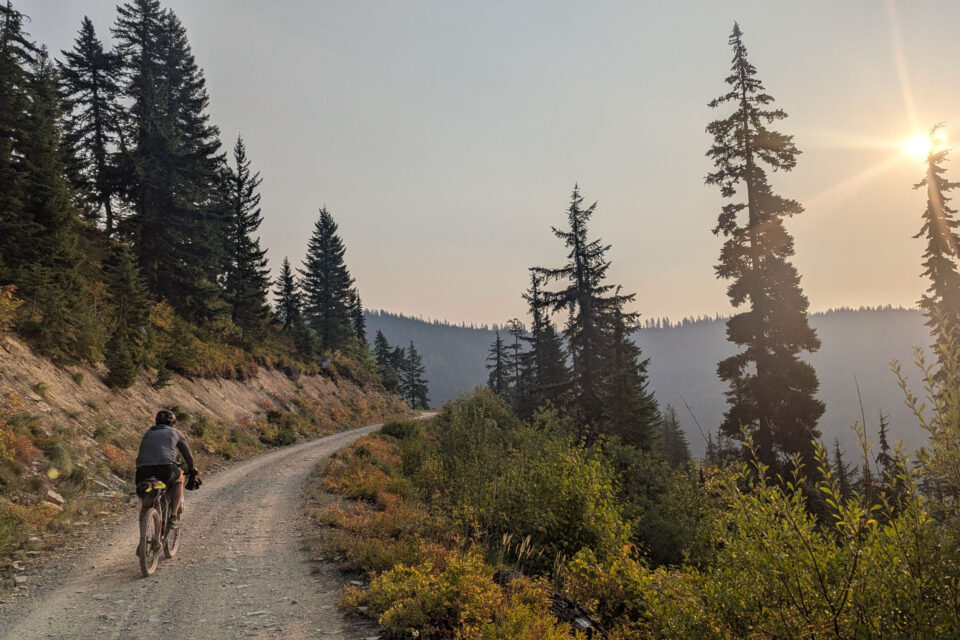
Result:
<point x="174" y="522"/>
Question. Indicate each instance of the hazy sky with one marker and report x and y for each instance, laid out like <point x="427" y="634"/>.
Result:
<point x="445" y="137"/>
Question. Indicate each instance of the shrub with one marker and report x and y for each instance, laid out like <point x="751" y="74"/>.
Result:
<point x="403" y="429"/>
<point x="13" y="530"/>
<point x="458" y="596"/>
<point x="42" y="389"/>
<point x="78" y="378"/>
<point x="59" y="457"/>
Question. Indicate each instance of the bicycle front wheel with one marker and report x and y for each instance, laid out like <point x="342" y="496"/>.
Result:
<point x="149" y="549"/>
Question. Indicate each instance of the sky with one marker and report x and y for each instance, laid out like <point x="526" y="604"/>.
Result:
<point x="446" y="136"/>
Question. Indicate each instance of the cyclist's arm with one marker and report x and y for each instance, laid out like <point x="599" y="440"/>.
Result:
<point x="184" y="450"/>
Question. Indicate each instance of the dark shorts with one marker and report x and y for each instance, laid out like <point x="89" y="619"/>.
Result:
<point x="168" y="473"/>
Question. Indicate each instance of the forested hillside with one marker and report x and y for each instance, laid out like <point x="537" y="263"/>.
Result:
<point x="683" y="359"/>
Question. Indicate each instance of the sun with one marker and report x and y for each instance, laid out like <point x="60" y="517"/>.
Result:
<point x="918" y="146"/>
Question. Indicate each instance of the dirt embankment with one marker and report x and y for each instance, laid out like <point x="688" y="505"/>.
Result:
<point x="67" y="441"/>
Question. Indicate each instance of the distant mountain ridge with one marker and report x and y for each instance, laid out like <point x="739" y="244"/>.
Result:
<point x="857" y="347"/>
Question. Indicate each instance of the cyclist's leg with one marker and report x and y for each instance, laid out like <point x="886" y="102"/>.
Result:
<point x="175" y="497"/>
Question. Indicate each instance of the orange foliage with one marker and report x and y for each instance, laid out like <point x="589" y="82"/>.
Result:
<point x="24" y="450"/>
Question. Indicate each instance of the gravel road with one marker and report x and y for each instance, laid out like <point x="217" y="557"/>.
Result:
<point x="239" y="572"/>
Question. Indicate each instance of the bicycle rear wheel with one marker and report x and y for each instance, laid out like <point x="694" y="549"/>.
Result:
<point x="149" y="550"/>
<point x="171" y="542"/>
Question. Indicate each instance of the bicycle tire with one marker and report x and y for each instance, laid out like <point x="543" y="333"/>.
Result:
<point x="171" y="542"/>
<point x="149" y="542"/>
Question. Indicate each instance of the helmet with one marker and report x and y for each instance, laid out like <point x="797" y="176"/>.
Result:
<point x="166" y="417"/>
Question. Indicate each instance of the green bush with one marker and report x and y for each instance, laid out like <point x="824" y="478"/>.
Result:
<point x="403" y="429"/>
<point x="59" y="457"/>
<point x="42" y="389"/>
<point x="503" y="477"/>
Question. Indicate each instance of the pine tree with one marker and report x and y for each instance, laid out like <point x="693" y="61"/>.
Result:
<point x="515" y="366"/>
<point x="121" y="369"/>
<point x="89" y="78"/>
<point x="842" y="471"/>
<point x="941" y="303"/>
<point x="357" y="319"/>
<point x="772" y="391"/>
<point x="59" y="317"/>
<point x="632" y="411"/>
<point x="386" y="363"/>
<point x="128" y="322"/>
<point x="413" y="385"/>
<point x="671" y="440"/>
<point x="546" y="373"/>
<point x="595" y="310"/>
<point x="247" y="279"/>
<point x="327" y="285"/>
<point x="171" y="169"/>
<point x="17" y="56"/>
<point x="287" y="297"/>
<point x="498" y="380"/>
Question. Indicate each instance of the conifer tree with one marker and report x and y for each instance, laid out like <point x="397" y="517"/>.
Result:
<point x="498" y="380"/>
<point x="941" y="302"/>
<point x="247" y="279"/>
<point x="89" y="84"/>
<point x="171" y="169"/>
<point x="386" y="362"/>
<point x="128" y="321"/>
<point x="772" y="390"/>
<point x="842" y="471"/>
<point x="60" y="318"/>
<point x="595" y="342"/>
<point x="17" y="55"/>
<point x="671" y="440"/>
<point x="287" y="297"/>
<point x="327" y="285"/>
<point x="515" y="365"/>
<point x="357" y="319"/>
<point x="632" y="411"/>
<point x="413" y="385"/>
<point x="546" y="373"/>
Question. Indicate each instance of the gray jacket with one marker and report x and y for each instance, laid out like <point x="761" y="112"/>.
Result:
<point x="160" y="445"/>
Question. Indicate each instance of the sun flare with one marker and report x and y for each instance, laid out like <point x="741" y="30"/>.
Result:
<point x="918" y="146"/>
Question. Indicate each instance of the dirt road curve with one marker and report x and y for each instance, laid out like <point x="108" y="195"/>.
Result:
<point x="240" y="571"/>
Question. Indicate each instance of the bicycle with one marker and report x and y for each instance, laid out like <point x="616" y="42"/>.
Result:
<point x="156" y="531"/>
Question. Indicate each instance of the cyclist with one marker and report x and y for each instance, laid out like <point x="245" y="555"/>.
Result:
<point x="157" y="458"/>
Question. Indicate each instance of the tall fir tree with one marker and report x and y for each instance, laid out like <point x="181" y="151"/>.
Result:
<point x="171" y="169"/>
<point x="247" y="279"/>
<point x="59" y="317"/>
<point x="414" y="386"/>
<point x="129" y="318"/>
<point x="595" y="309"/>
<point x="498" y="380"/>
<point x="842" y="471"/>
<point x="772" y="391"/>
<point x="516" y="366"/>
<point x="671" y="441"/>
<point x="546" y="372"/>
<point x="89" y="78"/>
<point x="287" y="297"/>
<point x="632" y="411"/>
<point x="941" y="302"/>
<point x="357" y="319"/>
<point x="386" y="362"/>
<point x="17" y="55"/>
<point x="327" y="285"/>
